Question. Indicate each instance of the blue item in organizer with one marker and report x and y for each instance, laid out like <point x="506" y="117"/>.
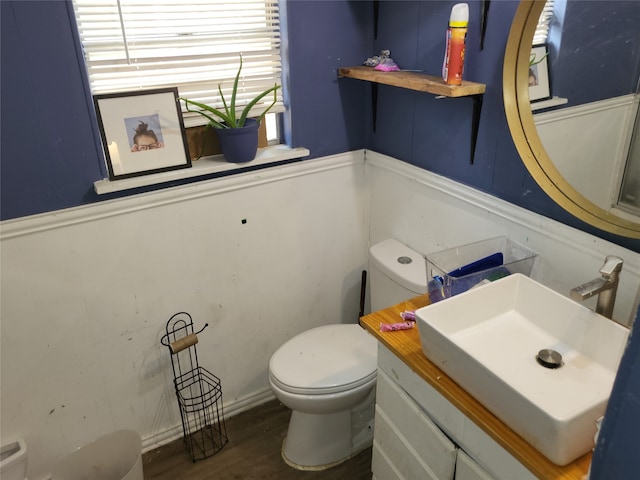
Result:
<point x="485" y="263"/>
<point x="473" y="274"/>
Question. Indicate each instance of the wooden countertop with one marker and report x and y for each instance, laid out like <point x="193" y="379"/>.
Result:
<point x="406" y="345"/>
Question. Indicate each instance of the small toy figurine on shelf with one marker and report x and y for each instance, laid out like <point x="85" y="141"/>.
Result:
<point x="382" y="62"/>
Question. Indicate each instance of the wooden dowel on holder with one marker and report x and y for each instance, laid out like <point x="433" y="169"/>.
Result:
<point x="184" y="342"/>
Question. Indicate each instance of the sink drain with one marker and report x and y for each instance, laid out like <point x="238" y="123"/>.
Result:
<point x="549" y="358"/>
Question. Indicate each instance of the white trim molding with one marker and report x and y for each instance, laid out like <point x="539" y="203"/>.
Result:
<point x="97" y="211"/>
<point x="431" y="213"/>
<point x="556" y="231"/>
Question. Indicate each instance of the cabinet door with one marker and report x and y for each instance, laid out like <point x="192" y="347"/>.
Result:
<point x="382" y="467"/>
<point x="413" y="444"/>
<point x="460" y="429"/>
<point x="467" y="469"/>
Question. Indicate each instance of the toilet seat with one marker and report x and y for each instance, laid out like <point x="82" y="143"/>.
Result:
<point x="322" y="391"/>
<point x="325" y="360"/>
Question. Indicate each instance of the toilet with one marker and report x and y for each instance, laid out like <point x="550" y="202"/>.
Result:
<point x="327" y="375"/>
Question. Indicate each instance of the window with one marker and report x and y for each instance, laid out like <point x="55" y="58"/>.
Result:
<point x="542" y="30"/>
<point x="195" y="45"/>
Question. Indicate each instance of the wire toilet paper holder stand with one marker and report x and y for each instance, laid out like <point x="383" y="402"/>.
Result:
<point x="198" y="391"/>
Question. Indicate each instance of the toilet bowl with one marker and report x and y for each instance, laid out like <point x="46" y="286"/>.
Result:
<point x="327" y="375"/>
<point x="13" y="460"/>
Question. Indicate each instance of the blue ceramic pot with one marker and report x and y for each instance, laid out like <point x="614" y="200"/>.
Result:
<point x="239" y="145"/>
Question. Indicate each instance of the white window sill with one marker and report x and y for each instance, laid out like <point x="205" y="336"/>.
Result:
<point x="626" y="213"/>
<point x="552" y="102"/>
<point x="203" y="166"/>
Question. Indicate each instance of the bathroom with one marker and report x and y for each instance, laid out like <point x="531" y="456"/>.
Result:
<point x="88" y="283"/>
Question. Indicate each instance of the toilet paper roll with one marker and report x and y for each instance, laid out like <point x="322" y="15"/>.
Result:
<point x="184" y="342"/>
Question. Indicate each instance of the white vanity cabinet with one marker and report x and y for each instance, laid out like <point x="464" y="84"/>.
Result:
<point x="467" y="469"/>
<point x="407" y="444"/>
<point x="420" y="434"/>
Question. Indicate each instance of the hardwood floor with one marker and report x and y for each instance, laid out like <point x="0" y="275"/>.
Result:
<point x="253" y="452"/>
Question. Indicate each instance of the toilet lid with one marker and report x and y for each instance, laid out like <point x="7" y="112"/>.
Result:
<point x="332" y="358"/>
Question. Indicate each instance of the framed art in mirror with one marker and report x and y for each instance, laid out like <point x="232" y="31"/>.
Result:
<point x="539" y="85"/>
<point x="142" y="132"/>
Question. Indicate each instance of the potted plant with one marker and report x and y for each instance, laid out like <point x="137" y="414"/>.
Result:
<point x="238" y="135"/>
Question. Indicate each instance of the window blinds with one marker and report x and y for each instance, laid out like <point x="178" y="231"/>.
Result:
<point x="195" y="45"/>
<point x="542" y="30"/>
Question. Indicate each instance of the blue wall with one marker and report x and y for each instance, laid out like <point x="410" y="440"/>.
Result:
<point x="326" y="114"/>
<point x="616" y="454"/>
<point x="49" y="154"/>
<point x="434" y="133"/>
<point x="610" y="26"/>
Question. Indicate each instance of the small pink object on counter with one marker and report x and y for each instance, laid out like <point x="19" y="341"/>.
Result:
<point x="392" y="327"/>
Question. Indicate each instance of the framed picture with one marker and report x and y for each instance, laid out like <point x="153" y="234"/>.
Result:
<point x="539" y="87"/>
<point x="142" y="132"/>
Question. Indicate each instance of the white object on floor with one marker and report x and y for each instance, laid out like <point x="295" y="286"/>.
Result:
<point x="13" y="462"/>
<point x="114" y="456"/>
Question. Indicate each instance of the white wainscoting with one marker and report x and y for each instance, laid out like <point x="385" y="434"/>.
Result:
<point x="261" y="256"/>
<point x="86" y="294"/>
<point x="430" y="213"/>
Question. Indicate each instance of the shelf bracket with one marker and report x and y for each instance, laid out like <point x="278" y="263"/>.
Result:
<point x="374" y="105"/>
<point x="475" y="125"/>
<point x="483" y="21"/>
<point x="376" y="13"/>
<point x="421" y="83"/>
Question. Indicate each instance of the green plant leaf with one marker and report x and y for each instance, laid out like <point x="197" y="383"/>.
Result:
<point x="230" y="120"/>
<point x="207" y="108"/>
<point x="532" y="59"/>
<point x="232" y="107"/>
<point x="250" y="105"/>
<point x="228" y="117"/>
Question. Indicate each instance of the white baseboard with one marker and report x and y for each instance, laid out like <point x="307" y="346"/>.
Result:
<point x="230" y="410"/>
<point x="553" y="230"/>
<point x="162" y="438"/>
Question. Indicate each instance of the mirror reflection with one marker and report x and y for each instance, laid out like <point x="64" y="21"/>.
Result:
<point x="587" y="126"/>
<point x="630" y="192"/>
<point x="593" y="68"/>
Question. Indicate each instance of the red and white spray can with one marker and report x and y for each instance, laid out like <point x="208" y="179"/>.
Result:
<point x="453" y="65"/>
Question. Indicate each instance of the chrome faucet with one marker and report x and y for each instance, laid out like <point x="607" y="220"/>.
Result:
<point x="605" y="287"/>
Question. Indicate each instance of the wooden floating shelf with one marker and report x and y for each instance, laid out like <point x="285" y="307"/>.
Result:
<point x="413" y="81"/>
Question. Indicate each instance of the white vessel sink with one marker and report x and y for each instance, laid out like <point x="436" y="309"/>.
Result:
<point x="487" y="340"/>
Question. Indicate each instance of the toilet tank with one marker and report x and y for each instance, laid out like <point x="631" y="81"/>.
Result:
<point x="396" y="273"/>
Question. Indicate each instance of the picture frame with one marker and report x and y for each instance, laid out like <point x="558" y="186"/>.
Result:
<point x="539" y="84"/>
<point x="142" y="132"/>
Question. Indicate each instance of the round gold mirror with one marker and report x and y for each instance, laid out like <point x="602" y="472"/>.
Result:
<point x="525" y="136"/>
